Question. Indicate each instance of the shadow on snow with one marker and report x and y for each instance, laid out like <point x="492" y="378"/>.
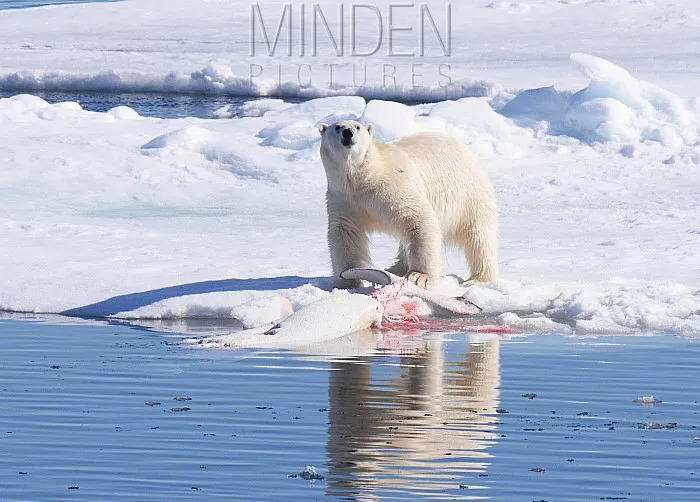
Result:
<point x="132" y="301"/>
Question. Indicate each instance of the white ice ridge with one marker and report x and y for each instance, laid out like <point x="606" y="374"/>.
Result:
<point x="209" y="46"/>
<point x="113" y="214"/>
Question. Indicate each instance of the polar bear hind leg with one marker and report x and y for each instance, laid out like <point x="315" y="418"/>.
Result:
<point x="400" y="266"/>
<point x="479" y="241"/>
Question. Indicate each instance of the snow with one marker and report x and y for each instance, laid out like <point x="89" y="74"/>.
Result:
<point x="204" y="46"/>
<point x="123" y="113"/>
<point x="537" y="323"/>
<point x="596" y="166"/>
<point x="391" y="120"/>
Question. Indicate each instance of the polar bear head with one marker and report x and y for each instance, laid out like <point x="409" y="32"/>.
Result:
<point x="345" y="142"/>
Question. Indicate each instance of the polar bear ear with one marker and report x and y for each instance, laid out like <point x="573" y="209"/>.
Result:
<point x="321" y="128"/>
<point x="370" y="129"/>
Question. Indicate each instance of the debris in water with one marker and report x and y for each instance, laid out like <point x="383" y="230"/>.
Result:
<point x="537" y="469"/>
<point x="463" y="487"/>
<point x="74" y="487"/>
<point x="309" y="473"/>
<point x="501" y="410"/>
<point x="530" y="395"/>
<point x="647" y="400"/>
<point x="179" y="398"/>
<point x="657" y="425"/>
<point x="152" y="403"/>
<point x="184" y="408"/>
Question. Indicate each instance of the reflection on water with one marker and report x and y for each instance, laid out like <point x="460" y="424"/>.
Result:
<point x="397" y="416"/>
<point x="415" y="432"/>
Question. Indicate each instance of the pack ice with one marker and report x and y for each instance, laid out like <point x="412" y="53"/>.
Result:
<point x="113" y="214"/>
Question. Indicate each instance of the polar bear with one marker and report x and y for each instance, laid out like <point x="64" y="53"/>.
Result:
<point x="426" y="189"/>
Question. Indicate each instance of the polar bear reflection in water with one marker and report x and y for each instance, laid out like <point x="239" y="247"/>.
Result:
<point x="418" y="430"/>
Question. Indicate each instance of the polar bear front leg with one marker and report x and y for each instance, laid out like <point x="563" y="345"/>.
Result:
<point x="424" y="248"/>
<point x="348" y="242"/>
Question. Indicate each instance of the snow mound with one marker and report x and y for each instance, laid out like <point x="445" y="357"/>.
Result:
<point x="603" y="119"/>
<point x="199" y="142"/>
<point x="536" y="323"/>
<point x="124" y="113"/>
<point x="617" y="307"/>
<point x="391" y="120"/>
<point x="614" y="108"/>
<point x="259" y="107"/>
<point x="26" y="108"/>
<point x="188" y="138"/>
<point x="22" y="103"/>
<point x="294" y="126"/>
<point x="544" y="103"/>
<point x="68" y="105"/>
<point x="296" y="135"/>
<point x="665" y="308"/>
<point x="617" y="107"/>
<point x="319" y="109"/>
<point x="486" y="132"/>
<point x="251" y="308"/>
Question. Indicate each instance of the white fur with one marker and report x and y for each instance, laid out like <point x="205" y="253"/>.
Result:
<point x="426" y="189"/>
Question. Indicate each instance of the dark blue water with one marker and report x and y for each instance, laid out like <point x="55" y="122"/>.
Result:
<point x="170" y="105"/>
<point x="23" y="4"/>
<point x="90" y="413"/>
<point x="147" y="105"/>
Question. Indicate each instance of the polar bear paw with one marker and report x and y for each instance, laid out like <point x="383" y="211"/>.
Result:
<point x="425" y="281"/>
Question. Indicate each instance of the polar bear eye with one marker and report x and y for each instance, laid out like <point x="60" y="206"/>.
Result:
<point x="337" y="128"/>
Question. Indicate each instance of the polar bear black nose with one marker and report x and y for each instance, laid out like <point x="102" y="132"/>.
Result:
<point x="347" y="133"/>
